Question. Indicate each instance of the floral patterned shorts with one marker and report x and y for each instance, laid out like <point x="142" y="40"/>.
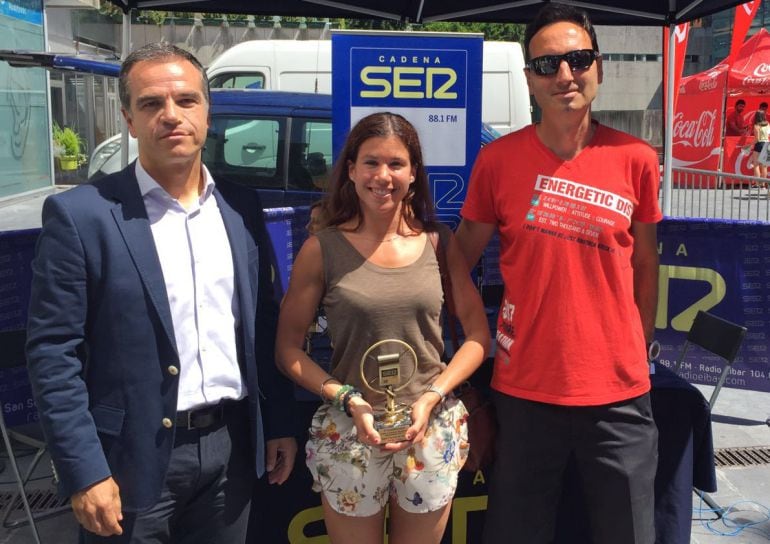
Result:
<point x="358" y="479"/>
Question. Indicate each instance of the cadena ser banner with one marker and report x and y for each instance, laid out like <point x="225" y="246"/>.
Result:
<point x="723" y="268"/>
<point x="434" y="80"/>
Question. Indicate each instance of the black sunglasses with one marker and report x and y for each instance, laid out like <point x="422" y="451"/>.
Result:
<point x="547" y="65"/>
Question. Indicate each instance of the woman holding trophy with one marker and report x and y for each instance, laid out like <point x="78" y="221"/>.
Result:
<point x="390" y="431"/>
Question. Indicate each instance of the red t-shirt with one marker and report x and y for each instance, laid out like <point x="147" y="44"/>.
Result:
<point x="736" y="126"/>
<point x="569" y="331"/>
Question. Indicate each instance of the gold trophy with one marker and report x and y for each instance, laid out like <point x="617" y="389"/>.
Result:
<point x="388" y="357"/>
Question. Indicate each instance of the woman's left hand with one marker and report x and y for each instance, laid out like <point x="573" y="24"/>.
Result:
<point x="421" y="411"/>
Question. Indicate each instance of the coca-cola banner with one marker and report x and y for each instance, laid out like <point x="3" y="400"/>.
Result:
<point x="748" y="78"/>
<point x="697" y="130"/>
<point x="737" y="158"/>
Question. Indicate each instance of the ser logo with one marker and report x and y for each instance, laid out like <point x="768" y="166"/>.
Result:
<point x="408" y="82"/>
<point x="683" y="320"/>
<point x="408" y="77"/>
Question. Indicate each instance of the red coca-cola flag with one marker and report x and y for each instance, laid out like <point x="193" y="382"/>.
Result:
<point x="697" y="127"/>
<point x="681" y="33"/>
<point x="744" y="15"/>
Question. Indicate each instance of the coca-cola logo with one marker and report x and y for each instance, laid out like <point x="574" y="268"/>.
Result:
<point x="695" y="132"/>
<point x="762" y="70"/>
<point x="758" y="81"/>
<point x="695" y="138"/>
<point x="707" y="84"/>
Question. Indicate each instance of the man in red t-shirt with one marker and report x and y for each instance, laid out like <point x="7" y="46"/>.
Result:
<point x="575" y="205"/>
<point x="736" y="124"/>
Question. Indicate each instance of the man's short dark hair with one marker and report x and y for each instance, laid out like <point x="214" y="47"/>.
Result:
<point x="156" y="52"/>
<point x="553" y="12"/>
<point x="740" y="102"/>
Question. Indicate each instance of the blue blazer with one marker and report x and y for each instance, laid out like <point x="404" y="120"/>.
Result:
<point x="101" y="340"/>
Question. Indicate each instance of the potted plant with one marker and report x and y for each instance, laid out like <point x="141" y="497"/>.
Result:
<point x="67" y="147"/>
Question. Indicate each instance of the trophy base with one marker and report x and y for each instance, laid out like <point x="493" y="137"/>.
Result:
<point x="392" y="428"/>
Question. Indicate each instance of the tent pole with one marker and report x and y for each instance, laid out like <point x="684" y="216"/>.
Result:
<point x="124" y="50"/>
<point x="669" y="123"/>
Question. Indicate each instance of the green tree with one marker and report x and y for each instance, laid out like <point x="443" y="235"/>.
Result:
<point x="371" y="24"/>
<point x="508" y="32"/>
<point x="491" y="31"/>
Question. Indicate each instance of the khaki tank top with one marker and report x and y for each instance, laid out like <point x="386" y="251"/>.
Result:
<point x="366" y="303"/>
<point x="764" y="133"/>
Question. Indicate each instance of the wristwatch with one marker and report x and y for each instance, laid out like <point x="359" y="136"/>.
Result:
<point x="435" y="389"/>
<point x="653" y="350"/>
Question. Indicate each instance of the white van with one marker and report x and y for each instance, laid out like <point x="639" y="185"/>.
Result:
<point x="305" y="66"/>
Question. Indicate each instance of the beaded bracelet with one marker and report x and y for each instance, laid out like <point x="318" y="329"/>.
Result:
<point x="347" y="398"/>
<point x="337" y="400"/>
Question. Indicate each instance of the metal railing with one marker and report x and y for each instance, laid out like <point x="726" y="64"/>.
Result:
<point x="719" y="195"/>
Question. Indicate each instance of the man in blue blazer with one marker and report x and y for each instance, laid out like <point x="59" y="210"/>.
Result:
<point x="151" y="330"/>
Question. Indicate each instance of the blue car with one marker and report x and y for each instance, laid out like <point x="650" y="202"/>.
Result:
<point x="278" y="142"/>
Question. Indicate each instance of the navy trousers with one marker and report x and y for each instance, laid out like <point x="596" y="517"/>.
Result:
<point x="207" y="494"/>
<point x="613" y="449"/>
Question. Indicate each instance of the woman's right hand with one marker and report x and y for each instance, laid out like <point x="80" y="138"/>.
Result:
<point x="363" y="419"/>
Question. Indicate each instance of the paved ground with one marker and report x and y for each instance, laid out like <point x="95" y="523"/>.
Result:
<point x="734" y="202"/>
<point x="739" y="420"/>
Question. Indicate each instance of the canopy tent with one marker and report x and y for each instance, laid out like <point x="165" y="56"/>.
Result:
<point x="609" y="12"/>
<point x="750" y="72"/>
<point x="704" y="100"/>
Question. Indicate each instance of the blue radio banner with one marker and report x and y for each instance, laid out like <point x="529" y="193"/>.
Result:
<point x="30" y="11"/>
<point x="720" y="267"/>
<point x="16" y="251"/>
<point x="434" y="80"/>
<point x="17" y="247"/>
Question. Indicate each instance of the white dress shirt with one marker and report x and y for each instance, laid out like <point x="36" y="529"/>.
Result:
<point x="197" y="264"/>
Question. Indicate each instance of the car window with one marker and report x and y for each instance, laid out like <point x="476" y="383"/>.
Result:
<point x="246" y="150"/>
<point x="253" y="151"/>
<point x="310" y="155"/>
<point x="250" y="80"/>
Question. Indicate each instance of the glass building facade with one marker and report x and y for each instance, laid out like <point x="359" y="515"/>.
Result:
<point x="25" y="138"/>
<point x="722" y="29"/>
